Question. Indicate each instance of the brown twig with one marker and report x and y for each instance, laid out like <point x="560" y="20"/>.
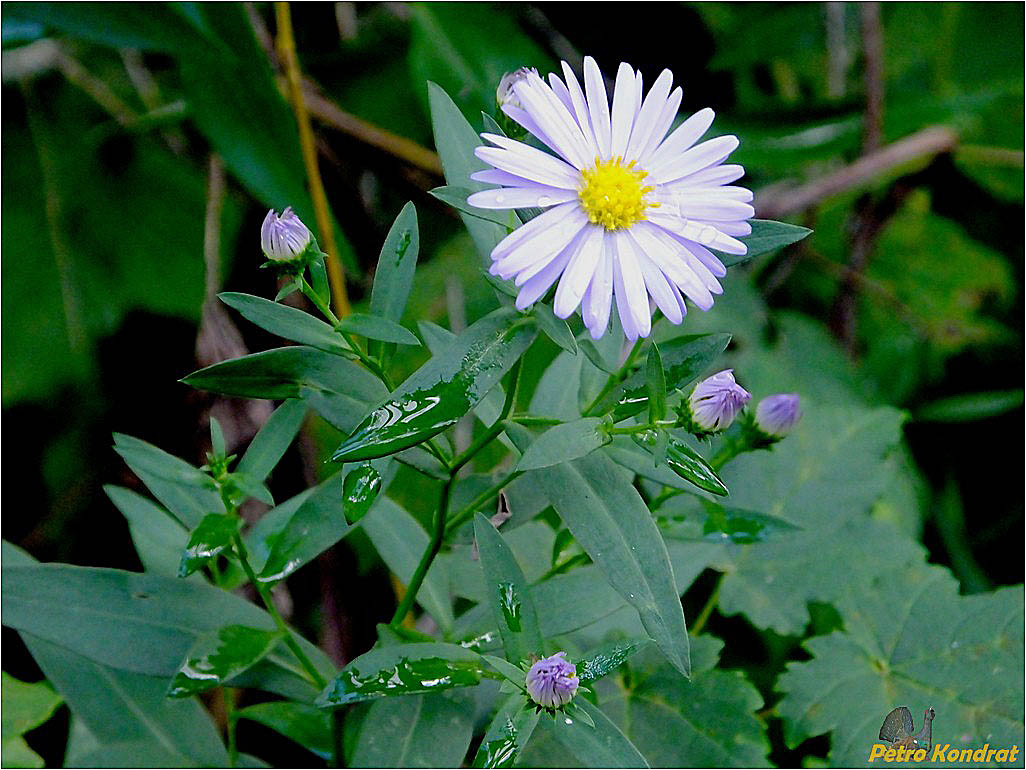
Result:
<point x="873" y="50"/>
<point x="923" y="144"/>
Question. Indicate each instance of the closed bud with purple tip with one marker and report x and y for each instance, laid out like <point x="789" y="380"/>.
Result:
<point x="777" y="415"/>
<point x="714" y="403"/>
<point x="505" y="93"/>
<point x="552" y="682"/>
<point x="284" y="238"/>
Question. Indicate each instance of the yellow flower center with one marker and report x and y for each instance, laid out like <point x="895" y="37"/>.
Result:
<point x="613" y="195"/>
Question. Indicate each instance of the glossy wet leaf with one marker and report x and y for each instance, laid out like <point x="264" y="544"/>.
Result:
<point x="563" y="443"/>
<point x="404" y="669"/>
<point x="655" y="381"/>
<point x="307" y="725"/>
<point x="219" y="656"/>
<point x="611" y="522"/>
<point x="448" y="386"/>
<point x="625" y="452"/>
<point x="376" y="328"/>
<point x="766" y="236"/>
<point x="273" y="440"/>
<point x="513" y="609"/>
<point x="287" y="322"/>
<point x="413" y="731"/>
<point x="397" y="262"/>
<point x="740" y="526"/>
<point x="25" y="705"/>
<point x="555" y="328"/>
<point x="683" y="460"/>
<point x="910" y="639"/>
<point x="597" y="663"/>
<point x="359" y="491"/>
<point x="684" y="358"/>
<point x="213" y="536"/>
<point x="507" y="734"/>
<point x="340" y="390"/>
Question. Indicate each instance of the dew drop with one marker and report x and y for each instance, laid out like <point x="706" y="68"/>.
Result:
<point x="954" y="645"/>
<point x="500" y="198"/>
<point x="544" y="200"/>
<point x="707" y="235"/>
<point x="568" y="721"/>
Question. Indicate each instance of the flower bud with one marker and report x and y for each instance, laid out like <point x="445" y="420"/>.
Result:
<point x="716" y="401"/>
<point x="552" y="681"/>
<point x="284" y="237"/>
<point x="777" y="415"/>
<point x="504" y="93"/>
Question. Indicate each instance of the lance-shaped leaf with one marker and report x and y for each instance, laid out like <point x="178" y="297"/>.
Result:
<point x="562" y="443"/>
<point x="683" y="359"/>
<point x="307" y="725"/>
<point x="448" y="386"/>
<point x="612" y="523"/>
<point x="415" y="731"/>
<point x="598" y="745"/>
<point x="213" y="535"/>
<point x="766" y="236"/>
<point x="555" y="328"/>
<point x="25" y="706"/>
<point x="511" y="603"/>
<point x="273" y="440"/>
<point x="457" y="198"/>
<point x="156" y="534"/>
<point x="376" y="328"/>
<point x="682" y="460"/>
<point x="359" y="491"/>
<point x="219" y="656"/>
<point x="397" y="263"/>
<point x="507" y="734"/>
<point x="656" y="385"/>
<point x="287" y="322"/>
<point x="597" y="663"/>
<point x="404" y="669"/>
<point x="340" y="390"/>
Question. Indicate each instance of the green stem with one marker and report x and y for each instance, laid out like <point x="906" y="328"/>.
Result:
<point x="703" y="616"/>
<point x="629" y="429"/>
<point x="231" y="719"/>
<point x="468" y="511"/>
<point x="528" y="419"/>
<point x="319" y="303"/>
<point x="616" y="378"/>
<point x="497" y="427"/>
<point x="425" y="561"/>
<point x="265" y="596"/>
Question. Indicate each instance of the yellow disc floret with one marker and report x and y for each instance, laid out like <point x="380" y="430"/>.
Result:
<point x="612" y="194"/>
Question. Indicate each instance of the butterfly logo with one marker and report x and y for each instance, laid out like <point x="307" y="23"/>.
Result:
<point x="898" y="729"/>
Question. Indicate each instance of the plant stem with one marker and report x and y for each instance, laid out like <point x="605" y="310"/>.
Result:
<point x="616" y="378"/>
<point x="465" y="513"/>
<point x="497" y="427"/>
<point x="265" y="596"/>
<point x="287" y="49"/>
<point x="528" y="419"/>
<point x="710" y="605"/>
<point x="230" y="722"/>
<point x="429" y="556"/>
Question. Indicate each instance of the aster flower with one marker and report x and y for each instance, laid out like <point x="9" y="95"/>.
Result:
<point x="630" y="212"/>
<point x="283" y="237"/>
<point x="552" y="682"/>
<point x="777" y="415"/>
<point x="715" y="402"/>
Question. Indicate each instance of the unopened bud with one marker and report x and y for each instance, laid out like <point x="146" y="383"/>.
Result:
<point x="505" y="93"/>
<point x="283" y="238"/>
<point x="552" y="682"/>
<point x="777" y="415"/>
<point x="716" y="401"/>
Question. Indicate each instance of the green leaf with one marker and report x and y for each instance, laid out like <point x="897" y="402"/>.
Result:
<point x="438" y="394"/>
<point x="601" y="745"/>
<point x="556" y="329"/>
<point x="25" y="705"/>
<point x="397" y="263"/>
<point x="910" y="639"/>
<point x="307" y="725"/>
<point x="740" y="526"/>
<point x="359" y="491"/>
<point x="612" y="523"/>
<point x="16" y="753"/>
<point x="287" y="322"/>
<point x="185" y="490"/>
<point x="595" y="357"/>
<point x="415" y="731"/>
<point x="510" y="672"/>
<point x="273" y="440"/>
<point x="401" y="541"/>
<point x="376" y="328"/>
<point x="213" y="535"/>
<point x="219" y="656"/>
<point x="457" y="198"/>
<point x="684" y="461"/>
<point x="597" y="663"/>
<point x="404" y="669"/>
<point x="156" y="534"/>
<point x="710" y="722"/>
<point x="767" y="236"/>
<point x="684" y="358"/>
<point x="340" y="390"/>
<point x="655" y="381"/>
<point x="563" y="443"/>
<point x="508" y="733"/>
<point x="217" y="438"/>
<point x="970" y="407"/>
<point x="511" y="603"/>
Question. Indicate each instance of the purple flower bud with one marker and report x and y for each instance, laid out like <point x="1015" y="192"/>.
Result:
<point x="776" y="415"/>
<point x="716" y="401"/>
<point x="283" y="237"/>
<point x="504" y="94"/>
<point x="552" y="681"/>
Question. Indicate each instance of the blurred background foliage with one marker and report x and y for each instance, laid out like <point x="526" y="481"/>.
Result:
<point x="142" y="145"/>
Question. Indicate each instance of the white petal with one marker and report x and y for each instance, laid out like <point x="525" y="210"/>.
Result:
<point x="705" y="233"/>
<point x="560" y="90"/>
<point x="662" y="124"/>
<point x="540" y="248"/>
<point x="527" y="121"/>
<point x="598" y="105"/>
<point x="667" y="254"/>
<point x="622" y="305"/>
<point x="554" y="119"/>
<point x="710" y="260"/>
<point x="660" y="289"/>
<point x="648" y="116"/>
<point x="699" y="268"/>
<point x="538" y="166"/>
<point x="553" y="219"/>
<point x="699" y="157"/>
<point x="685" y="135"/>
<point x="495" y="176"/>
<point x="520" y="197"/>
<point x="624" y="99"/>
<point x="633" y="283"/>
<point x="598" y="297"/>
<point x="578" y="273"/>
<point x="539" y="283"/>
<point x="737" y="229"/>
<point x="580" y="105"/>
<point x="715" y="175"/>
<point x="712" y="209"/>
